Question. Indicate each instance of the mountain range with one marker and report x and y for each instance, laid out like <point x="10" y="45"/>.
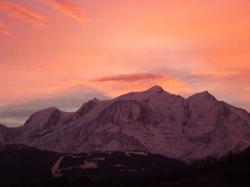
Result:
<point x="152" y="121"/>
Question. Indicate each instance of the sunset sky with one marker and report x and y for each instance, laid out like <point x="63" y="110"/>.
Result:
<point x="63" y="52"/>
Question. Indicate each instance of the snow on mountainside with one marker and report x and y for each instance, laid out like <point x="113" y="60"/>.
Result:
<point x="153" y="121"/>
<point x="119" y="164"/>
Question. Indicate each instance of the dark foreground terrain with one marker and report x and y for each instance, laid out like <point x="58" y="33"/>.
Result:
<point x="22" y="166"/>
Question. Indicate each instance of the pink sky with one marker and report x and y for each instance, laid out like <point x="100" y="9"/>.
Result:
<point x="49" y="48"/>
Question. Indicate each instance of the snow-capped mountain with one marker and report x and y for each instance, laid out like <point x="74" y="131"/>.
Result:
<point x="153" y="121"/>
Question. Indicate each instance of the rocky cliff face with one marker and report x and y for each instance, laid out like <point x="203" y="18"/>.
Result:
<point x="152" y="120"/>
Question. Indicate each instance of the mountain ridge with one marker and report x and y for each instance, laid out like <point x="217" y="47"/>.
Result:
<point x="153" y="120"/>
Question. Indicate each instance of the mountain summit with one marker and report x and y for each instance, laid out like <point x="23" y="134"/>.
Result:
<point x="153" y="121"/>
<point x="156" y="89"/>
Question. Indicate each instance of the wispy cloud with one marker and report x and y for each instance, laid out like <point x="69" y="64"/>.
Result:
<point x="123" y="83"/>
<point x="22" y="12"/>
<point x="129" y="77"/>
<point x="68" y="8"/>
<point x="3" y="31"/>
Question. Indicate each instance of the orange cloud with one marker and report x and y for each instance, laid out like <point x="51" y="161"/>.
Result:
<point x="120" y="84"/>
<point x="23" y="13"/>
<point x="129" y="77"/>
<point x="68" y="8"/>
<point x="3" y="31"/>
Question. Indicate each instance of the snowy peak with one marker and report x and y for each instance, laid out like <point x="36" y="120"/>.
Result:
<point x="155" y="89"/>
<point x="129" y="111"/>
<point x="203" y="101"/>
<point x="205" y="95"/>
<point x="151" y="120"/>
<point x="43" y="119"/>
<point x="87" y="107"/>
<point x="155" y="93"/>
